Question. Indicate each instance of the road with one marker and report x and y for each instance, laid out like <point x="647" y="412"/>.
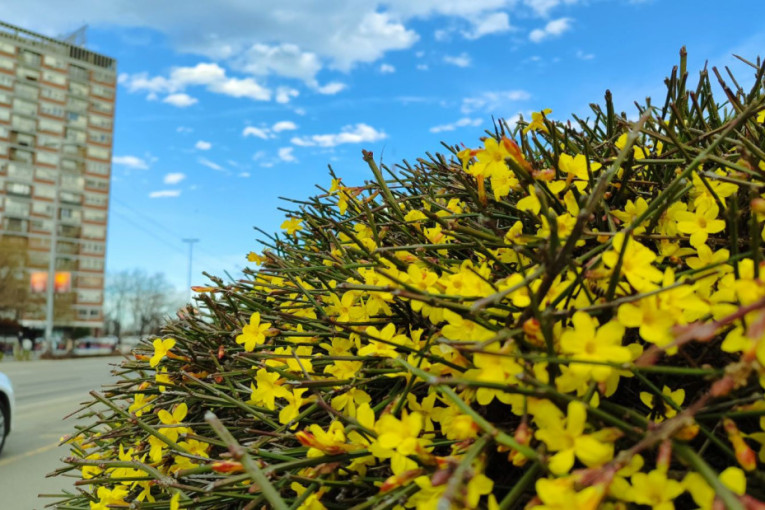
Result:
<point x="46" y="391"/>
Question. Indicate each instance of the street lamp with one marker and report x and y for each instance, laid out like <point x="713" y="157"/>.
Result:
<point x="191" y="252"/>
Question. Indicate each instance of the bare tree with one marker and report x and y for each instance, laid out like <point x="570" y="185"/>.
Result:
<point x="138" y="302"/>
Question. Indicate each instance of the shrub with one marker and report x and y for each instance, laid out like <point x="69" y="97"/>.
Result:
<point x="570" y="315"/>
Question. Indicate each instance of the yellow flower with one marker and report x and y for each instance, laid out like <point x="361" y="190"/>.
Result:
<point x="576" y="167"/>
<point x="176" y="418"/>
<point x="253" y="333"/>
<point x="464" y="329"/>
<point x="397" y="439"/>
<point x="383" y="348"/>
<point x="491" y="160"/>
<point x="267" y="389"/>
<point x="538" y="121"/>
<point x="161" y="348"/>
<point x="175" y="501"/>
<point x="560" y="494"/>
<point x="570" y="441"/>
<point x="292" y="410"/>
<point x="292" y="225"/>
<point x="254" y="257"/>
<point x="588" y="342"/>
<point x="660" y="409"/>
<point x="312" y="502"/>
<point x="495" y="366"/>
<point x="108" y="497"/>
<point x="704" y="495"/>
<point x="631" y="211"/>
<point x="655" y="322"/>
<point x="161" y="378"/>
<point x="637" y="263"/>
<point x="654" y="489"/>
<point x="700" y="224"/>
<point x="141" y="404"/>
<point x="530" y="203"/>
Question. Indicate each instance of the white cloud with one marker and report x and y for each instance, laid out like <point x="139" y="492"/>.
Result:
<point x="165" y="193"/>
<point x="553" y="28"/>
<point x="243" y="174"/>
<point x="493" y="23"/>
<point x="422" y="67"/>
<point x="209" y="164"/>
<point x="492" y="101"/>
<point x="463" y="122"/>
<point x="461" y="60"/>
<point x="584" y="56"/>
<point x="284" y="94"/>
<point x="131" y="162"/>
<point x="358" y="133"/>
<point x="209" y="75"/>
<point x="180" y="100"/>
<point x="543" y="7"/>
<point x="284" y="125"/>
<point x="183" y="129"/>
<point x="203" y="146"/>
<point x="387" y="68"/>
<point x="286" y="60"/>
<point x="331" y="88"/>
<point x="173" y="178"/>
<point x="256" y="132"/>
<point x="285" y="154"/>
<point x="294" y="40"/>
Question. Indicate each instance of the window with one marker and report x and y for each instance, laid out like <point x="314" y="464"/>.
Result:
<point x="53" y="94"/>
<point x="31" y="58"/>
<point x="99" y="184"/>
<point x="51" y="61"/>
<point x="72" y="182"/>
<point x="28" y="74"/>
<point x="40" y="225"/>
<point x="78" y="105"/>
<point x="47" y="158"/>
<point x="43" y="208"/>
<point x="45" y="174"/>
<point x="102" y="106"/>
<point x="51" y="109"/>
<point x="99" y="121"/>
<point x="93" y="231"/>
<point x="67" y="213"/>
<point x="19" y="172"/>
<point x="22" y="156"/>
<point x="50" y="125"/>
<point x="98" y="152"/>
<point x="24" y="107"/>
<point x="72" y="198"/>
<point x="44" y="191"/>
<point x="91" y="247"/>
<point x="78" y="89"/>
<point x="78" y="73"/>
<point x="7" y="63"/>
<point x="74" y="135"/>
<point x="16" y="208"/>
<point x="88" y="296"/>
<point x="7" y="47"/>
<point x="95" y="200"/>
<point x="23" y="124"/>
<point x="95" y="167"/>
<point x="104" y="76"/>
<point x="25" y="140"/>
<point x="54" y="77"/>
<point x="100" y="90"/>
<point x="94" y="215"/>
<point x="5" y="98"/>
<point x="15" y="188"/>
<point x="6" y="80"/>
<point x="100" y="137"/>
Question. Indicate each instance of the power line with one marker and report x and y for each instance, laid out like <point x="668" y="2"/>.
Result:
<point x="150" y="233"/>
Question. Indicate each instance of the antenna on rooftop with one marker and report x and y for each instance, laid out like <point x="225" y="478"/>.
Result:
<point x="77" y="38"/>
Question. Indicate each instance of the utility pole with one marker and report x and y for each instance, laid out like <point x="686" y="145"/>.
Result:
<point x="191" y="254"/>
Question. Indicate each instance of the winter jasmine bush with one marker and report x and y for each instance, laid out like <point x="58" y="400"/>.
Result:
<point x="566" y="315"/>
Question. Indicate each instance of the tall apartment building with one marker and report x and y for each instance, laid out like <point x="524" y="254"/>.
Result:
<point x="56" y="125"/>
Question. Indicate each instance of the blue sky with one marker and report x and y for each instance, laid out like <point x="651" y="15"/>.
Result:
<point x="225" y="105"/>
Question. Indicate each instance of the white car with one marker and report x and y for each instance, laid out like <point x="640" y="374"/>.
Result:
<point x="7" y="402"/>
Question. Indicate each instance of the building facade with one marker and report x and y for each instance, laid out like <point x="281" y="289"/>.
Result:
<point x="56" y="125"/>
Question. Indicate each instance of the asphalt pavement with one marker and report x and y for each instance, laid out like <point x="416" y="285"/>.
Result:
<point x="46" y="392"/>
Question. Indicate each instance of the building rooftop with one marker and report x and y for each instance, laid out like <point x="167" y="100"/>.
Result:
<point x="51" y="44"/>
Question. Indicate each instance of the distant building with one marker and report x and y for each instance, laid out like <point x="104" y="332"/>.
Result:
<point x="56" y="127"/>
